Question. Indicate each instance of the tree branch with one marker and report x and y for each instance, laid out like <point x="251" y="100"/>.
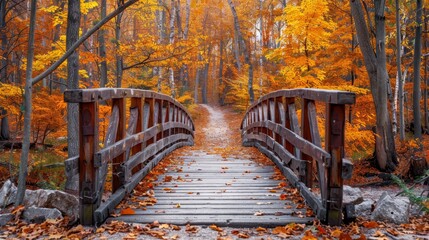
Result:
<point x="81" y="40"/>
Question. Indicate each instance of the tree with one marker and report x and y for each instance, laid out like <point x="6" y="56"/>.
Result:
<point x="23" y="166"/>
<point x="375" y="62"/>
<point x="416" y="66"/>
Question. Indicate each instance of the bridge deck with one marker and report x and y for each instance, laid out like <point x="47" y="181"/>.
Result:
<point x="204" y="188"/>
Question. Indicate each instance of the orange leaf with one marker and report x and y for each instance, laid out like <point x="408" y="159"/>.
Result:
<point x="370" y="224"/>
<point x="336" y="233"/>
<point x="283" y="196"/>
<point x="128" y="211"/>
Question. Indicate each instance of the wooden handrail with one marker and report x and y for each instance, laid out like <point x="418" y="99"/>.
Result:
<point x="271" y="124"/>
<point x="157" y="125"/>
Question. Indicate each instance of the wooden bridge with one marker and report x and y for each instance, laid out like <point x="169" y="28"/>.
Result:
<point x="208" y="188"/>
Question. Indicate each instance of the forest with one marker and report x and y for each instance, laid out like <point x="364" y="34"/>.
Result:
<point x="226" y="53"/>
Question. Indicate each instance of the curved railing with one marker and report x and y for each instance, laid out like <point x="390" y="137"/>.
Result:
<point x="135" y="142"/>
<point x="271" y="124"/>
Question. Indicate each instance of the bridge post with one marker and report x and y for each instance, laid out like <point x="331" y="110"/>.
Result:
<point x="334" y="140"/>
<point x="88" y="142"/>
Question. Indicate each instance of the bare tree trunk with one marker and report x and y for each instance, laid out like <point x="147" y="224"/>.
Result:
<point x="118" y="45"/>
<point x="385" y="152"/>
<point x="73" y="24"/>
<point x="185" y="70"/>
<point x="237" y="35"/>
<point x="220" y="74"/>
<point x="102" y="48"/>
<point x="4" y="42"/>
<point x="23" y="166"/>
<point x="161" y="22"/>
<point x="246" y="49"/>
<point x="172" y="33"/>
<point x="416" y="68"/>
<point x="399" y="91"/>
<point x="425" y="92"/>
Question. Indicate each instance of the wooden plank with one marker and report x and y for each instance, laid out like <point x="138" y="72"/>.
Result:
<point x="294" y="125"/>
<point x="215" y="211"/>
<point x="221" y="221"/>
<point x="306" y="134"/>
<point x="138" y="103"/>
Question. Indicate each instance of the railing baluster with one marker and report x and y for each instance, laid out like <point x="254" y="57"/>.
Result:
<point x="118" y="175"/>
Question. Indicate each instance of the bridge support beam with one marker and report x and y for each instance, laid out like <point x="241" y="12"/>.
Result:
<point x="334" y="138"/>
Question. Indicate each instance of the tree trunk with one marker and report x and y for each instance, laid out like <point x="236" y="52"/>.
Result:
<point x="118" y="45"/>
<point x="425" y="92"/>
<point x="171" y="40"/>
<point x="237" y="35"/>
<point x="73" y="24"/>
<point x="399" y="84"/>
<point x="102" y="48"/>
<point x="220" y="74"/>
<point x="23" y="166"/>
<point x="416" y="67"/>
<point x="4" y="127"/>
<point x="246" y="49"/>
<point x="4" y="42"/>
<point x="204" y="83"/>
<point x="385" y="152"/>
<point x="185" y="70"/>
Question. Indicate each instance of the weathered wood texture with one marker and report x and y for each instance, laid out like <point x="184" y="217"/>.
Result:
<point x="271" y="124"/>
<point x="157" y="125"/>
<point x="208" y="189"/>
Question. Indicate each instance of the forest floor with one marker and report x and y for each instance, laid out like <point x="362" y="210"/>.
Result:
<point x="217" y="131"/>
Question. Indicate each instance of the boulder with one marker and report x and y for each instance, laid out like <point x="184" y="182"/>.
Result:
<point x="5" y="218"/>
<point x="392" y="209"/>
<point x="364" y="208"/>
<point x="39" y="215"/>
<point x="7" y="194"/>
<point x="352" y="195"/>
<point x="66" y="203"/>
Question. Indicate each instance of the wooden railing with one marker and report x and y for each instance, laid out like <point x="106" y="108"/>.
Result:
<point x="271" y="124"/>
<point x="157" y="124"/>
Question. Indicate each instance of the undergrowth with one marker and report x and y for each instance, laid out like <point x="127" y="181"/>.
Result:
<point x="420" y="200"/>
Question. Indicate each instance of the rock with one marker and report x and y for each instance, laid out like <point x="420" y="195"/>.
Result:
<point x="364" y="208"/>
<point x="7" y="194"/>
<point x="5" y="218"/>
<point x="39" y="215"/>
<point x="352" y="195"/>
<point x="392" y="209"/>
<point x="66" y="203"/>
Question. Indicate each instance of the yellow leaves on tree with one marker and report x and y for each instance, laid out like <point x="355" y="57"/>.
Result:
<point x="48" y="115"/>
<point x="302" y="44"/>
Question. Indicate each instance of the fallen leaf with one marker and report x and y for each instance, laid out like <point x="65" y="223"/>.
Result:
<point x="370" y="224"/>
<point x="259" y="213"/>
<point x="336" y="233"/>
<point x="177" y="205"/>
<point x="164" y="226"/>
<point x="261" y="229"/>
<point x="308" y="235"/>
<point x="216" y="228"/>
<point x="128" y="211"/>
<point x="378" y="233"/>
<point x="243" y="235"/>
<point x="283" y="196"/>
<point x="191" y="229"/>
